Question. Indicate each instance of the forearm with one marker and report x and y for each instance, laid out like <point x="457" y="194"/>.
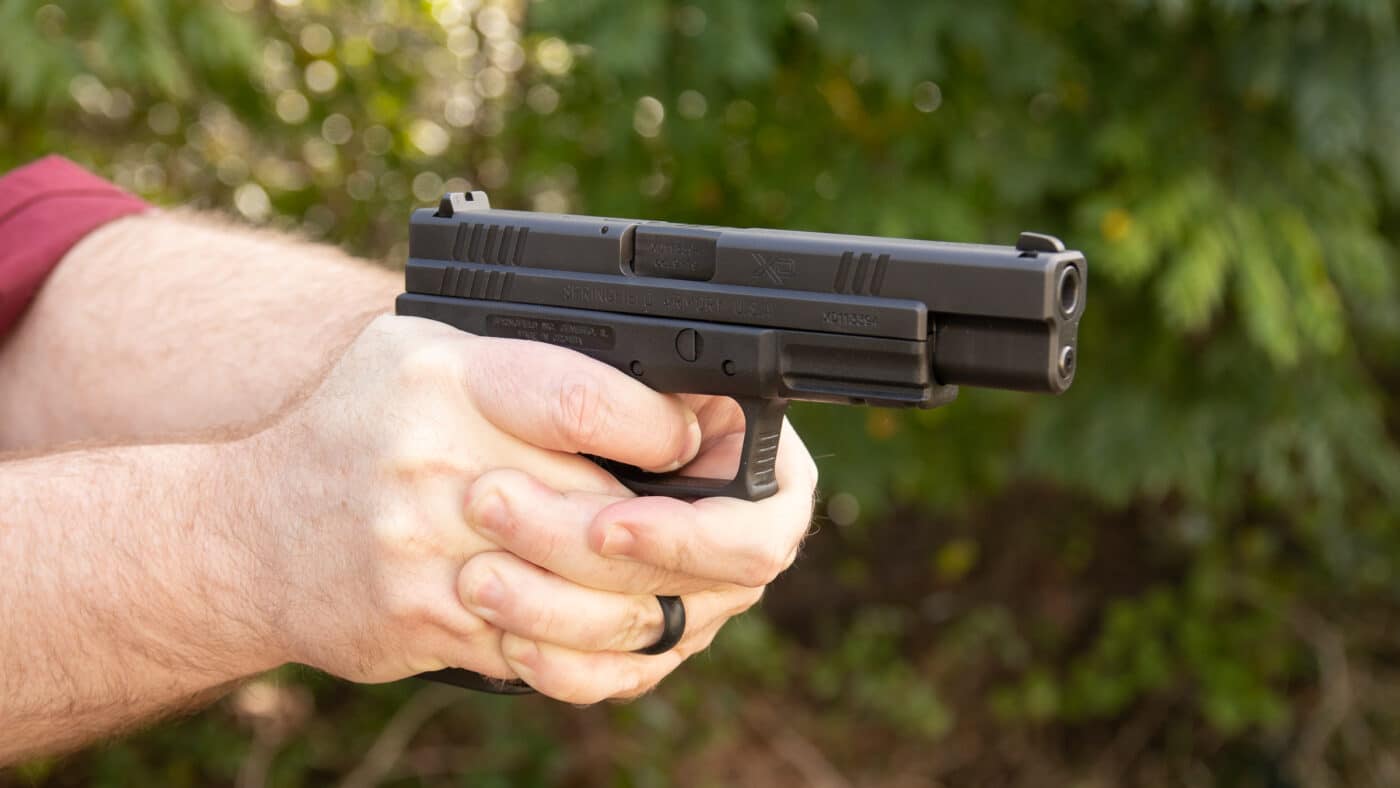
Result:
<point x="133" y="586"/>
<point x="172" y="323"/>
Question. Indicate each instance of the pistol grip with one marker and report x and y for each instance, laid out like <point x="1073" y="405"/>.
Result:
<point x="755" y="479"/>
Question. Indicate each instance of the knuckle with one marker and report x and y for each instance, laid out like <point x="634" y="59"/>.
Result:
<point x="417" y="454"/>
<point x="405" y="609"/>
<point x="488" y="510"/>
<point x="523" y="652"/>
<point x="534" y="619"/>
<point x="471" y="628"/>
<point x="635" y="686"/>
<point x="640" y="627"/>
<point x="385" y="325"/>
<point x="478" y="583"/>
<point x="430" y="362"/>
<point x="403" y="535"/>
<point x="493" y="583"/>
<point x="762" y="570"/>
<point x="556" y="676"/>
<point x="650" y="579"/>
<point x="754" y="574"/>
<point x="581" y="696"/>
<point x="506" y="509"/>
<point x="660" y="580"/>
<point x="527" y="658"/>
<point x="547" y="676"/>
<point x="627" y="683"/>
<point x="582" y="412"/>
<point x="586" y="693"/>
<point x="484" y="487"/>
<point x="474" y="627"/>
<point x="689" y="647"/>
<point x="766" y="567"/>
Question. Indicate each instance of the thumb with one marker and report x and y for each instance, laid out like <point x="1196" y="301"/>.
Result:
<point x="555" y="398"/>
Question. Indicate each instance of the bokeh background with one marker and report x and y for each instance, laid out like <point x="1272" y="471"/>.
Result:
<point x="1183" y="572"/>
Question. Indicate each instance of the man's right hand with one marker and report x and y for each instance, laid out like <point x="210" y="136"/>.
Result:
<point x="429" y="509"/>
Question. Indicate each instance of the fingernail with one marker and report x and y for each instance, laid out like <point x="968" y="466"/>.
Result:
<point x="491" y="514"/>
<point x="692" y="442"/>
<point x="487" y="596"/>
<point x="617" y="540"/>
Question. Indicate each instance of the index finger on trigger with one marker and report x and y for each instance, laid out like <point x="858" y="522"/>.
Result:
<point x="559" y="399"/>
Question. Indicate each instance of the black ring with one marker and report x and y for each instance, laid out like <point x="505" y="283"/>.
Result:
<point x="672" y="626"/>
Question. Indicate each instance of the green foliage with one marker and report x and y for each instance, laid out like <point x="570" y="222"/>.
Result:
<point x="1191" y="549"/>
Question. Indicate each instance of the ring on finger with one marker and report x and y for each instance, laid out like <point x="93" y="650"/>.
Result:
<point x="672" y="626"/>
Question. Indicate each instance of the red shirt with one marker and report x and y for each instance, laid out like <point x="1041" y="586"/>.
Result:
<point x="45" y="208"/>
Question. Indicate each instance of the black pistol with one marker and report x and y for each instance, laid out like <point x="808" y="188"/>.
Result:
<point x="762" y="316"/>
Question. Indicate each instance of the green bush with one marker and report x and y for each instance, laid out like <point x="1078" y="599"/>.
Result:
<point x="1182" y="571"/>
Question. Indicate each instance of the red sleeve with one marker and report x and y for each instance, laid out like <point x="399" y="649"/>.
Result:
<point x="45" y="208"/>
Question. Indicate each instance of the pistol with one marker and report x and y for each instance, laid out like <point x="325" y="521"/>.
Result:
<point x="762" y="316"/>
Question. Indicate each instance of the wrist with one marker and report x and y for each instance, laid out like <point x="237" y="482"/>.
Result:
<point x="291" y="496"/>
<point x="247" y="514"/>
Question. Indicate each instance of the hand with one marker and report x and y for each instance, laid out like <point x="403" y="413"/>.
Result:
<point x="431" y="511"/>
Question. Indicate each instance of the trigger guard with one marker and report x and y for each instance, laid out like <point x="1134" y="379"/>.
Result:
<point x="755" y="479"/>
